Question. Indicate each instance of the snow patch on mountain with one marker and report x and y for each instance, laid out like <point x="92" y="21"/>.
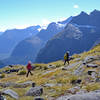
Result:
<point x="61" y="25"/>
<point x="42" y="27"/>
<point x="84" y="26"/>
<point x="67" y="21"/>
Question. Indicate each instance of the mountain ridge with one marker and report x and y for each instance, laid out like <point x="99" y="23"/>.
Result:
<point x="10" y="38"/>
<point x="28" y="48"/>
<point x="78" y="36"/>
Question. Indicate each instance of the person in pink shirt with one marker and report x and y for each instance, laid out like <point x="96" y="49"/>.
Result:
<point x="29" y="68"/>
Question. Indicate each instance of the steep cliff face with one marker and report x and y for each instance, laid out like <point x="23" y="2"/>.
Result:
<point x="78" y="36"/>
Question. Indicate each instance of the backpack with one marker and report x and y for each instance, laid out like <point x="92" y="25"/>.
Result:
<point x="66" y="56"/>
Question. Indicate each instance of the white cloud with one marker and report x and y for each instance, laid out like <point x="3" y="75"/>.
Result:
<point x="75" y="6"/>
<point x="45" y="22"/>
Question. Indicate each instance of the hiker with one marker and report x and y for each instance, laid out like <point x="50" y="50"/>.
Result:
<point x="29" y="68"/>
<point x="66" y="58"/>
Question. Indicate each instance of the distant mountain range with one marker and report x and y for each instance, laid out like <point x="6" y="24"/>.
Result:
<point x="10" y="38"/>
<point x="27" y="49"/>
<point x="75" y="34"/>
<point x="78" y="36"/>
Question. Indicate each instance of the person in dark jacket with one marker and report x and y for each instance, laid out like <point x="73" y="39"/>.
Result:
<point x="29" y="68"/>
<point x="66" y="58"/>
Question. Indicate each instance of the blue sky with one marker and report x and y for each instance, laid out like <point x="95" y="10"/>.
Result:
<point x="23" y="13"/>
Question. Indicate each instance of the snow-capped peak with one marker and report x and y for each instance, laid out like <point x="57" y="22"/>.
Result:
<point x="42" y="27"/>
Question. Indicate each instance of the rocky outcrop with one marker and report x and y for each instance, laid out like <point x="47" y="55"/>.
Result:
<point x="76" y="81"/>
<point x="11" y="70"/>
<point x="34" y="91"/>
<point x="79" y="70"/>
<point x="85" y="96"/>
<point x="89" y="59"/>
<point x="11" y="93"/>
<point x="91" y="71"/>
<point x="49" y="85"/>
<point x="16" y="85"/>
<point x="71" y="66"/>
<point x="51" y="66"/>
<point x="92" y="65"/>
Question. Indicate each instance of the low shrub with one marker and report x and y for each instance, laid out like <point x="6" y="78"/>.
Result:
<point x="92" y="87"/>
<point x="22" y="72"/>
<point x="2" y="75"/>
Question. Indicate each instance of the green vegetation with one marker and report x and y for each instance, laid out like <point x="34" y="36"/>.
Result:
<point x="22" y="72"/>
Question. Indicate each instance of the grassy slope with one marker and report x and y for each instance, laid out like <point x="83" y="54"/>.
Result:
<point x="61" y="78"/>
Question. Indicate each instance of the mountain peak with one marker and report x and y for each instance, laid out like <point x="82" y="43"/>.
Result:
<point x="51" y="25"/>
<point x="33" y="27"/>
<point x="95" y="11"/>
<point x="83" y="13"/>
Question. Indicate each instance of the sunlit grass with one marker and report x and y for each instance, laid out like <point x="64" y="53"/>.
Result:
<point x="92" y="86"/>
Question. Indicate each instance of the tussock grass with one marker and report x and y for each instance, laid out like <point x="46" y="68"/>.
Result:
<point x="92" y="86"/>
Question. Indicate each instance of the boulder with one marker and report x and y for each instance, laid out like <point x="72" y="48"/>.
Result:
<point x="71" y="66"/>
<point x="76" y="81"/>
<point x="38" y="98"/>
<point x="89" y="59"/>
<point x="91" y="71"/>
<point x="51" y="66"/>
<point x="16" y="85"/>
<point x="11" y="93"/>
<point x="77" y="59"/>
<point x="22" y="85"/>
<point x="49" y="85"/>
<point x="35" y="91"/>
<point x="8" y="84"/>
<point x="14" y="70"/>
<point x="79" y="70"/>
<point x="92" y="65"/>
<point x="6" y="71"/>
<point x="84" y="96"/>
<point x="47" y="72"/>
